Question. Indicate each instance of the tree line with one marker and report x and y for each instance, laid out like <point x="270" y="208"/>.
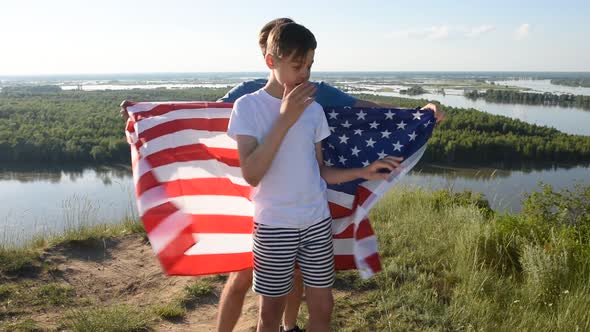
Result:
<point x="517" y="97"/>
<point x="574" y="82"/>
<point x="85" y="126"/>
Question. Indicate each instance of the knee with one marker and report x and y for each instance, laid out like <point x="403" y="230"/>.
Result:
<point x="240" y="282"/>
<point x="271" y="311"/>
<point x="322" y="309"/>
<point x="270" y="317"/>
<point x="325" y="307"/>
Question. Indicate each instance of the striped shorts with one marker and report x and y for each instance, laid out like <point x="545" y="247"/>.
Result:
<point x="277" y="249"/>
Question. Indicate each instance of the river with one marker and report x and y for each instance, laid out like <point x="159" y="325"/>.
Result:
<point x="48" y="201"/>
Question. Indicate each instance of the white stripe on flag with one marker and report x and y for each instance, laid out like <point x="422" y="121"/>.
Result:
<point x="341" y="198"/>
<point x="167" y="230"/>
<point x="196" y="113"/>
<point x="212" y="139"/>
<point x="151" y="198"/>
<point x="220" y="243"/>
<point x="199" y="169"/>
<point x="214" y="204"/>
<point x="141" y="107"/>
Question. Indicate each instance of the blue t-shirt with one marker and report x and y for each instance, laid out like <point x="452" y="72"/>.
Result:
<point x="326" y="95"/>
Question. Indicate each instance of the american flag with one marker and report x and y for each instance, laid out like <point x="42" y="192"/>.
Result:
<point x="195" y="205"/>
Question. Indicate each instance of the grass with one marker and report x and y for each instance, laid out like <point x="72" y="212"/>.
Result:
<point x="449" y="264"/>
<point x="54" y="294"/>
<point x="17" y="260"/>
<point x="25" y="325"/>
<point x="116" y="318"/>
<point x="193" y="294"/>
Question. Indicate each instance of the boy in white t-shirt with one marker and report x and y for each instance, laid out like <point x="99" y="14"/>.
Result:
<point x="279" y="130"/>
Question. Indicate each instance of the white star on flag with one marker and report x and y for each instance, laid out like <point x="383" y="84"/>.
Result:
<point x="333" y="114"/>
<point x="382" y="154"/>
<point x="397" y="146"/>
<point x="374" y="124"/>
<point x="427" y="123"/>
<point x="361" y="115"/>
<point x="342" y="159"/>
<point x="355" y="151"/>
<point x="412" y="136"/>
<point x="371" y="143"/>
<point x="346" y="124"/>
<point x="332" y="128"/>
<point x="358" y="132"/>
<point x="343" y="139"/>
<point x="385" y="134"/>
<point x="401" y="125"/>
<point x="366" y="163"/>
<point x="417" y="115"/>
<point x="328" y="163"/>
<point x="389" y="115"/>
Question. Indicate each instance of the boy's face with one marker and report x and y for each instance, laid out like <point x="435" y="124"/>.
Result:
<point x="292" y="70"/>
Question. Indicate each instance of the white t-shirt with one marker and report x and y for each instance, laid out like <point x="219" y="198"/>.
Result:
<point x="292" y="193"/>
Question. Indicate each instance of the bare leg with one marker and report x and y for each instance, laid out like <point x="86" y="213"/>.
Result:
<point x="271" y="309"/>
<point x="320" y="304"/>
<point x="232" y="299"/>
<point x="293" y="302"/>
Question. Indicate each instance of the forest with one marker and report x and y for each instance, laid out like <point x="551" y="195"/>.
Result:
<point x="517" y="97"/>
<point x="54" y="126"/>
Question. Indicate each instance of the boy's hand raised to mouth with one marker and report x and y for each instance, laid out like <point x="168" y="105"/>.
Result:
<point x="295" y="100"/>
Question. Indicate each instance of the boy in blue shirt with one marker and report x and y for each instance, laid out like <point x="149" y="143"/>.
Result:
<point x="233" y="294"/>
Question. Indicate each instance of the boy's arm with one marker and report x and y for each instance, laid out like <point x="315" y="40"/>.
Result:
<point x="255" y="159"/>
<point x="332" y="96"/>
<point x="439" y="115"/>
<point x="334" y="175"/>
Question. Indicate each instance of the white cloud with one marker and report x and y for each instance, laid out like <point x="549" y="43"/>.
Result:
<point x="444" y="32"/>
<point x="440" y="32"/>
<point x="522" y="32"/>
<point x="434" y="32"/>
<point x="478" y="31"/>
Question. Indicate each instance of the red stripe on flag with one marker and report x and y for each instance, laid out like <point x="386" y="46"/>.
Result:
<point x="211" y="264"/>
<point x="346" y="234"/>
<point x="361" y="196"/>
<point x="338" y="211"/>
<point x="222" y="224"/>
<point x="146" y="182"/>
<point x="175" y="250"/>
<point x="154" y="216"/>
<point x="194" y="152"/>
<point x="374" y="262"/>
<point x="364" y="230"/>
<point x="344" y="262"/>
<point x="162" y="109"/>
<point x="206" y="186"/>
<point x="219" y="124"/>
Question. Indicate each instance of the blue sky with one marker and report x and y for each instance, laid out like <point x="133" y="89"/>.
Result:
<point x="119" y="36"/>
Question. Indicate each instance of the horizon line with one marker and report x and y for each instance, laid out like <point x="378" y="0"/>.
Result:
<point x="265" y="72"/>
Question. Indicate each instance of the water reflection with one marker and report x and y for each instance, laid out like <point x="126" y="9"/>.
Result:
<point x="49" y="201"/>
<point x="54" y="174"/>
<point x="504" y="188"/>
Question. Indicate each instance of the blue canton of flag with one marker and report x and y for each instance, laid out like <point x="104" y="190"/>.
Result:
<point x="360" y="136"/>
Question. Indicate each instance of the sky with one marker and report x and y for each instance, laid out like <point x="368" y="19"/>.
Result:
<point x="120" y="36"/>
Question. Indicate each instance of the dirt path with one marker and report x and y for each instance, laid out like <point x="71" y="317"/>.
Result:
<point x="122" y="271"/>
